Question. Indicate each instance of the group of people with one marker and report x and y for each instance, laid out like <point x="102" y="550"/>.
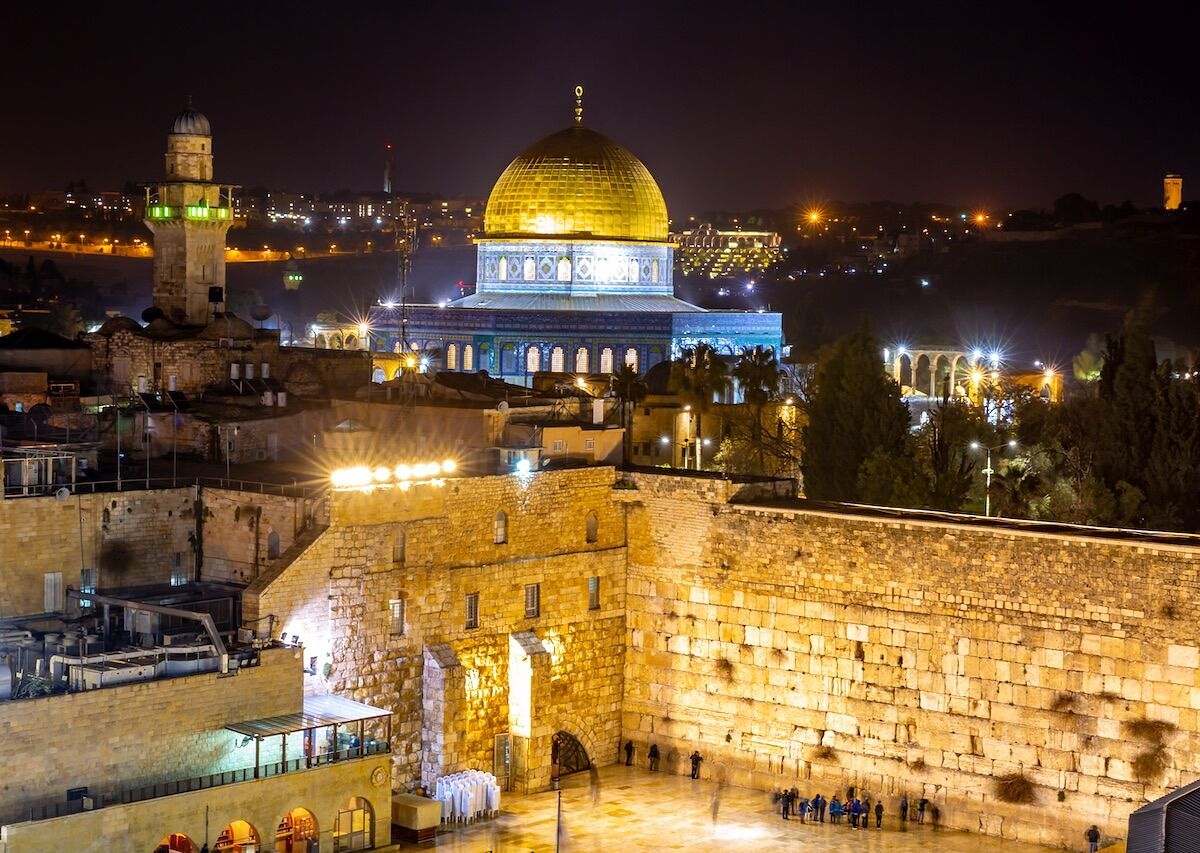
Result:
<point x="854" y="811"/>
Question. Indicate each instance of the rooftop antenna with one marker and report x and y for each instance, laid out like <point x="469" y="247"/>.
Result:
<point x="578" y="105"/>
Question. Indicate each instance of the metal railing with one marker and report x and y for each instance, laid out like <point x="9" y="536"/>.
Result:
<point x="142" y="793"/>
<point x="135" y="483"/>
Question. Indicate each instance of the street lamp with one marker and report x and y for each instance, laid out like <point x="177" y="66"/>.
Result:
<point x="987" y="471"/>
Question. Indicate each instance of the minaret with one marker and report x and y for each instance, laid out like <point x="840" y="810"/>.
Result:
<point x="189" y="216"/>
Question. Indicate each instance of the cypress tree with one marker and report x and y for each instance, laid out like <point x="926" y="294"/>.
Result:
<point x="855" y="413"/>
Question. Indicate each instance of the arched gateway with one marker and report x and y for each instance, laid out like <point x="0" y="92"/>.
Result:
<point x="567" y="755"/>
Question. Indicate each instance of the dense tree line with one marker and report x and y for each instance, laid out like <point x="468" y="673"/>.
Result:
<point x="1122" y="449"/>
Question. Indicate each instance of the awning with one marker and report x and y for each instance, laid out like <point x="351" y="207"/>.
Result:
<point x="318" y="711"/>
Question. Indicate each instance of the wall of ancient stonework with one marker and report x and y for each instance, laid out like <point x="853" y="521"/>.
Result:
<point x="912" y="656"/>
<point x="43" y="748"/>
<point x="131" y="538"/>
<point x="430" y="546"/>
<point x="238" y="528"/>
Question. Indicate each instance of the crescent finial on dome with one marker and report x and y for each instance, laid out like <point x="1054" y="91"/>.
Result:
<point x="579" y="105"/>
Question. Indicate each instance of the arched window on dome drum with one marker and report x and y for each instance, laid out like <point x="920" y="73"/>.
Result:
<point x="468" y="357"/>
<point x="606" y="360"/>
<point x="631" y="358"/>
<point x="581" y="360"/>
<point x="533" y="360"/>
<point x="564" y="269"/>
<point x="654" y="271"/>
<point x="530" y="269"/>
<point x="396" y="347"/>
<point x="508" y="359"/>
<point x="502" y="269"/>
<point x="452" y="357"/>
<point x="633" y="270"/>
<point x="558" y="360"/>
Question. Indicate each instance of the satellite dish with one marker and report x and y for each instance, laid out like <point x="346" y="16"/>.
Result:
<point x="62" y="494"/>
<point x="502" y="406"/>
<point x="261" y="312"/>
<point x="40" y="414"/>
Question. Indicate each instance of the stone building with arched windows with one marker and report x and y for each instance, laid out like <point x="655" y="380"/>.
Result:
<point x="573" y="273"/>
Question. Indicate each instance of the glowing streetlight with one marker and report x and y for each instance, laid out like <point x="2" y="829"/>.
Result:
<point x="987" y="471"/>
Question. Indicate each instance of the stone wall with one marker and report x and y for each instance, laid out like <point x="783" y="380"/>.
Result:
<point x="917" y="656"/>
<point x="335" y="596"/>
<point x="139" y="827"/>
<point x="241" y="529"/>
<point x="130" y="537"/>
<point x="99" y="739"/>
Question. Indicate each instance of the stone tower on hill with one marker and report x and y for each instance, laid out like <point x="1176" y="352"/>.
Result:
<point x="189" y="216"/>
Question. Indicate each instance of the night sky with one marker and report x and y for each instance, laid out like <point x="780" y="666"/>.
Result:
<point x="731" y="105"/>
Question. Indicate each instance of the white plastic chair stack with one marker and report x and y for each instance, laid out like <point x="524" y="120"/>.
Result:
<point x="467" y="795"/>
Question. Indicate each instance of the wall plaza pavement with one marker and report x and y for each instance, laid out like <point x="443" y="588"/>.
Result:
<point x="639" y="810"/>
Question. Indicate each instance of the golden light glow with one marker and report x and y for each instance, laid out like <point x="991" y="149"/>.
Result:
<point x="814" y="216"/>
<point x="402" y="476"/>
<point x="980" y="218"/>
<point x="576" y="183"/>
<point x="976" y="376"/>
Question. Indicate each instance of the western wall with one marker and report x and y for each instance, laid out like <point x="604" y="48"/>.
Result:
<point x="913" y="655"/>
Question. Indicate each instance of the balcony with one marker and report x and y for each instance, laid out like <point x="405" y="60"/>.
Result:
<point x="195" y="212"/>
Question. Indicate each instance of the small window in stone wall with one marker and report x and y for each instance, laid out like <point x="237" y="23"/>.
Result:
<point x="592" y="527"/>
<point x="180" y="574"/>
<point x="52" y="592"/>
<point x="87" y="583"/>
<point x="533" y="600"/>
<point x="400" y="546"/>
<point x="500" y="528"/>
<point x="396" y="611"/>
<point x="594" y="593"/>
<point x="472" y="610"/>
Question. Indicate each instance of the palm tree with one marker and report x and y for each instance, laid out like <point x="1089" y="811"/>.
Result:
<point x="629" y="388"/>
<point x="757" y="372"/>
<point x="698" y="376"/>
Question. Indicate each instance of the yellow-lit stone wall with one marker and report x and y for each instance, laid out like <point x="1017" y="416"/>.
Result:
<point x="335" y="595"/>
<point x="238" y="528"/>
<point x="130" y="537"/>
<point x="795" y="647"/>
<point x="98" y="738"/>
<point x="139" y="827"/>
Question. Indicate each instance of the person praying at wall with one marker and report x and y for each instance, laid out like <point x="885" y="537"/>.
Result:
<point x="653" y="756"/>
<point x="803" y="808"/>
<point x="695" y="758"/>
<point x="879" y="814"/>
<point x="835" y="810"/>
<point x="903" y="808"/>
<point x="628" y="753"/>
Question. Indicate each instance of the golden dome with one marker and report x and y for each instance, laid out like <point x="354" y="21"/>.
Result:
<point x="578" y="184"/>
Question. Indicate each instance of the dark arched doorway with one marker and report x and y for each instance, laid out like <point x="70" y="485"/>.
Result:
<point x="568" y="755"/>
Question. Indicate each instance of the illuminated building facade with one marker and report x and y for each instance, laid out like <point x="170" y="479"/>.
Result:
<point x="573" y="274"/>
<point x="189" y="216"/>
<point x="724" y="254"/>
<point x="1172" y="192"/>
